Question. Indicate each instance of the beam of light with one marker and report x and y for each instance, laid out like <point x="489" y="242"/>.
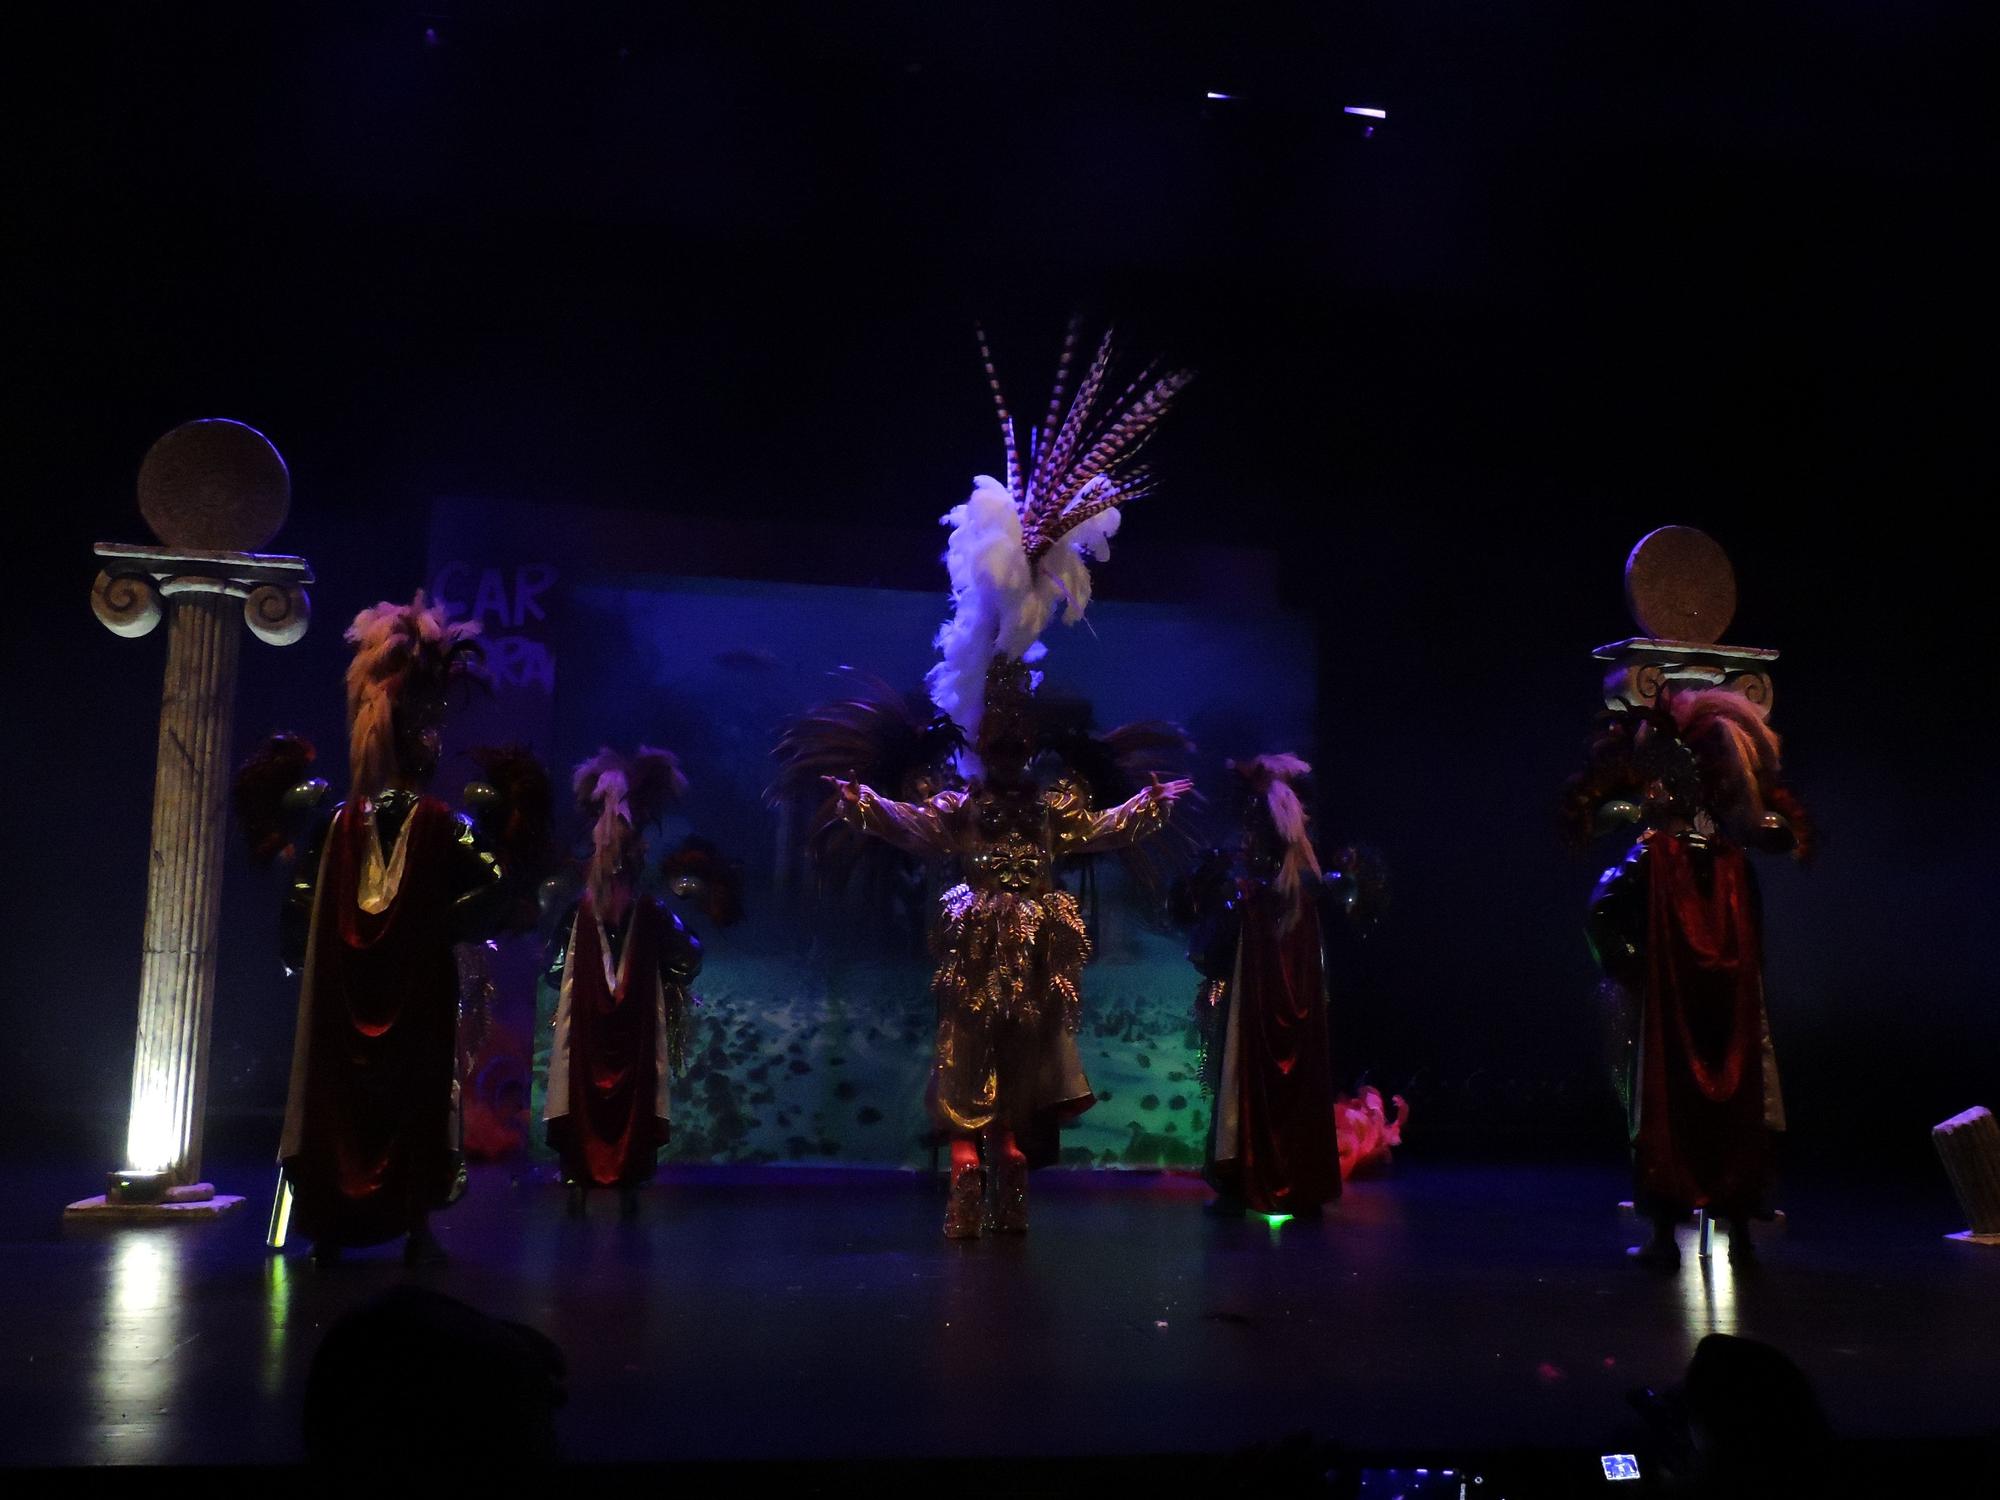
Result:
<point x="153" y="1142"/>
<point x="1213" y="95"/>
<point x="1366" y="110"/>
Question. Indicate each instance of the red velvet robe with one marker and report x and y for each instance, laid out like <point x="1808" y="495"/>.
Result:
<point x="368" y="1147"/>
<point x="613" y="1129"/>
<point x="1700" y="1137"/>
<point x="1287" y="1155"/>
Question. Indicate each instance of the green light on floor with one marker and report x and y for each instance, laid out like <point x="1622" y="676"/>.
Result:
<point x="1274" y="1220"/>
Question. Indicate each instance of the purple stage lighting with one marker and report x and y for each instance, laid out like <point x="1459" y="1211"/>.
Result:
<point x="1360" y="109"/>
<point x="1214" y="95"/>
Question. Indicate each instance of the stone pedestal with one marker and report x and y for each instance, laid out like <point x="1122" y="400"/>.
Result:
<point x="196" y="474"/>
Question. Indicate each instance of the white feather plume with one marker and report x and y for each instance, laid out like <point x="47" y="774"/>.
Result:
<point x="1001" y="601"/>
<point x="991" y="590"/>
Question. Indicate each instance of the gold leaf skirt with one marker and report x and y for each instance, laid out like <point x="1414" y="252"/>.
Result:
<point x="1009" y="1002"/>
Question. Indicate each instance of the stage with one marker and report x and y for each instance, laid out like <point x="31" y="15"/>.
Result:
<point x="803" y="1315"/>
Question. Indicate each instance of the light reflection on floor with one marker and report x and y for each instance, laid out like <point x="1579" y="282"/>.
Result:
<point x="1708" y="1287"/>
<point x="277" y="1305"/>
<point x="135" y="1348"/>
<point x="182" y="1346"/>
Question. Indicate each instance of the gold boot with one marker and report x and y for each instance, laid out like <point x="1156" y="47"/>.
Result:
<point x="1009" y="1211"/>
<point x="962" y="1210"/>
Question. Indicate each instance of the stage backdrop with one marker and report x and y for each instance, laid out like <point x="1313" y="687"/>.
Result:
<point x="813" y="1030"/>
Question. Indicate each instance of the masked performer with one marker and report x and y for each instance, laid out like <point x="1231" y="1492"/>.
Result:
<point x="393" y="879"/>
<point x="1254" y="909"/>
<point x="1010" y="943"/>
<point x="620" y="964"/>
<point x="1677" y="928"/>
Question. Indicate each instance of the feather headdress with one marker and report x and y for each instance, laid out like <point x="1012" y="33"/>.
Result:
<point x="406" y="657"/>
<point x="1020" y="548"/>
<point x="623" y="794"/>
<point x="514" y="805"/>
<point x="1275" y="779"/>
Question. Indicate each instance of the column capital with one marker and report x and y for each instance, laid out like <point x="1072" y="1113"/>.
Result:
<point x="1641" y="667"/>
<point x="131" y="592"/>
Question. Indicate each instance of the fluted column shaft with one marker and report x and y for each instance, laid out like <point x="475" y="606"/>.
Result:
<point x="184" y="884"/>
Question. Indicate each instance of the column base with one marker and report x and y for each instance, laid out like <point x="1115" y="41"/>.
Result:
<point x="104" y="1210"/>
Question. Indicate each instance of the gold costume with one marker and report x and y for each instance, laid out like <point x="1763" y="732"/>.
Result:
<point x="1010" y="945"/>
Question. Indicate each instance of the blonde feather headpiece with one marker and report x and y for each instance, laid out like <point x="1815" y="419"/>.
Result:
<point x="625" y="794"/>
<point x="1275" y="778"/>
<point x="405" y="657"/>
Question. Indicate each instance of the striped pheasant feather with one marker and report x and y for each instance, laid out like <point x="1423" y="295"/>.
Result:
<point x="1079" y="459"/>
<point x="1006" y="420"/>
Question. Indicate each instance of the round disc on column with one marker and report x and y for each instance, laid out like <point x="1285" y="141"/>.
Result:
<point x="1680" y="586"/>
<point x="214" y="486"/>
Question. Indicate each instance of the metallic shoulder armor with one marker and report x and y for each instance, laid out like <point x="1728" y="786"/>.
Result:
<point x="680" y="949"/>
<point x="1616" y="923"/>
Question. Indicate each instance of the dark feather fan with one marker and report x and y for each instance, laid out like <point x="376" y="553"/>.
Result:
<point x="514" y="804"/>
<point x="1363" y="878"/>
<point x="262" y="790"/>
<point x="1112" y="767"/>
<point x="698" y="872"/>
<point x="1707" y="747"/>
<point x="895" y="742"/>
<point x="1611" y="772"/>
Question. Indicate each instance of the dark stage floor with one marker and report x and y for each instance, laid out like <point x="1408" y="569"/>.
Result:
<point x="797" y="1315"/>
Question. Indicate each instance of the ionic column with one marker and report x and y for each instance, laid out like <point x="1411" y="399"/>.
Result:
<point x="209" y="490"/>
<point x="1682" y="592"/>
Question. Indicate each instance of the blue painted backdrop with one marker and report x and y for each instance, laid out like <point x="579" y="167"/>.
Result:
<point x="814" y="1024"/>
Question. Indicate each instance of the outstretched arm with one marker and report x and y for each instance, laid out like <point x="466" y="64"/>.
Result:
<point x="1136" y="818"/>
<point x="916" y="827"/>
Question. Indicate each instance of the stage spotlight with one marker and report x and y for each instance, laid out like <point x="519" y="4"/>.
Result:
<point x="1365" y="115"/>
